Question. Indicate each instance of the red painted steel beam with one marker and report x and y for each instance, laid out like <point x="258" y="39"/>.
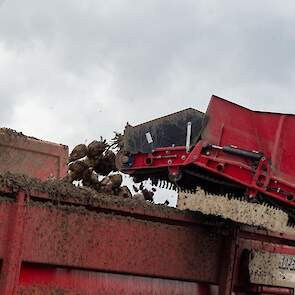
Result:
<point x="228" y="263"/>
<point x="11" y="259"/>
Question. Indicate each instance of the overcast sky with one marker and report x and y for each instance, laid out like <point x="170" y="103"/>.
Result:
<point x="73" y="70"/>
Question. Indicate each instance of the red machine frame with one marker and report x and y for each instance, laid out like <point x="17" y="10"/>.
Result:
<point x="251" y="148"/>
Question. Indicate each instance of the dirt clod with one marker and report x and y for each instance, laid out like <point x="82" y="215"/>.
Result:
<point x="148" y="195"/>
<point x="77" y="170"/>
<point x="96" y="148"/>
<point x="79" y="152"/>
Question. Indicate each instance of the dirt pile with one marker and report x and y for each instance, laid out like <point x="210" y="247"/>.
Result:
<point x="57" y="189"/>
<point x="61" y="192"/>
<point x="10" y="132"/>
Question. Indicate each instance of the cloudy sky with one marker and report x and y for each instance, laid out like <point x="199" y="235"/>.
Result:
<point x="73" y="70"/>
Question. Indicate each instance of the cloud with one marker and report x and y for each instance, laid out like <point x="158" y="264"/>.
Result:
<point x="71" y="71"/>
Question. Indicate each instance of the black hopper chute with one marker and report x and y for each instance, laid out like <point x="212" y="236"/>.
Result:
<point x="167" y="131"/>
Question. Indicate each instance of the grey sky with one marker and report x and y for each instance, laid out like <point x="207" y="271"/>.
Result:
<point x="72" y="70"/>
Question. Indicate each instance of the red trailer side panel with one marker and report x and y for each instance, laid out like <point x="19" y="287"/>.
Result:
<point x="69" y="249"/>
<point x="26" y="155"/>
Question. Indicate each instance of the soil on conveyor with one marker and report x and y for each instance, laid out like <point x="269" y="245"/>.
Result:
<point x="251" y="214"/>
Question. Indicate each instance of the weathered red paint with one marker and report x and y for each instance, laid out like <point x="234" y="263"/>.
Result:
<point x="104" y="283"/>
<point x="73" y="250"/>
<point x="12" y="264"/>
<point x="33" y="157"/>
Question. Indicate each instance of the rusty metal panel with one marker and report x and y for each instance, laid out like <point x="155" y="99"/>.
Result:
<point x="30" y="156"/>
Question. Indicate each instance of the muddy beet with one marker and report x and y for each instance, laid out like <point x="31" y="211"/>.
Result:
<point x="79" y="151"/>
<point x="96" y="148"/>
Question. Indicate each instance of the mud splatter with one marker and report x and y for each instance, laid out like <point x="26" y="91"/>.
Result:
<point x="243" y="212"/>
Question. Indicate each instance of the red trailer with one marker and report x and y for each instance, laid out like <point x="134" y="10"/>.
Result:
<point x="115" y="246"/>
<point x="109" y="245"/>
